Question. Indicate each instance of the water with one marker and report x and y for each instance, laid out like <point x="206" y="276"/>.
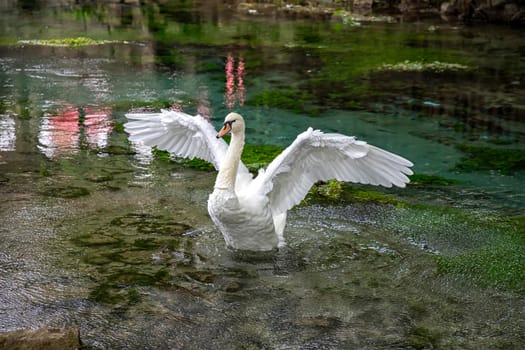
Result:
<point x="98" y="233"/>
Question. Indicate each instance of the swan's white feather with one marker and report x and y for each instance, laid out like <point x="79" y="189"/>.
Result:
<point x="315" y="156"/>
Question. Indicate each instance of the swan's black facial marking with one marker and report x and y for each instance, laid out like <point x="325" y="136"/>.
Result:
<point x="226" y="128"/>
<point x="229" y="123"/>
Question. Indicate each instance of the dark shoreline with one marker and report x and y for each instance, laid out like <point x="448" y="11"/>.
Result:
<point x="469" y="11"/>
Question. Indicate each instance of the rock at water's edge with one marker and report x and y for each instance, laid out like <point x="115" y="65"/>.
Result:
<point x="67" y="338"/>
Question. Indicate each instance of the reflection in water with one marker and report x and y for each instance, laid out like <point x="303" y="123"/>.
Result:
<point x="234" y="92"/>
<point x="97" y="126"/>
<point x="204" y="108"/>
<point x="74" y="128"/>
<point x="7" y="133"/>
<point x="97" y="84"/>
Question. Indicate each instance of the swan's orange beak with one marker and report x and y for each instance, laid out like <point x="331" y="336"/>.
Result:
<point x="224" y="130"/>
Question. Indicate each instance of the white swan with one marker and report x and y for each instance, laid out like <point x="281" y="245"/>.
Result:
<point x="251" y="212"/>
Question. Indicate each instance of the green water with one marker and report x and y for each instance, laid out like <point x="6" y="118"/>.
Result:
<point x="99" y="233"/>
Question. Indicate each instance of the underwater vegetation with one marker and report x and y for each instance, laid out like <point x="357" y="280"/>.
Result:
<point x="65" y="191"/>
<point x="424" y="179"/>
<point x="195" y="163"/>
<point x="121" y="251"/>
<point x="500" y="262"/>
<point x="292" y="100"/>
<point x="506" y="161"/>
<point x="254" y="157"/>
<point x="259" y="156"/>
<point x="335" y="192"/>
<point x="482" y="246"/>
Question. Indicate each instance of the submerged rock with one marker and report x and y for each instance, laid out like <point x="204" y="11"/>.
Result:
<point x="362" y="5"/>
<point x="65" y="191"/>
<point x="67" y="338"/>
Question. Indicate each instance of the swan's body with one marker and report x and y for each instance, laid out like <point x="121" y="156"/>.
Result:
<point x="251" y="212"/>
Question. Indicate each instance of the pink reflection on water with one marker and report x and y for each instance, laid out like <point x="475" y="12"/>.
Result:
<point x="240" y="81"/>
<point x="73" y="128"/>
<point x="235" y="91"/>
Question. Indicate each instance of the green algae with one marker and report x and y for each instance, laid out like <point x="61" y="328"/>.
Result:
<point x="500" y="263"/>
<point x="149" y="224"/>
<point x="335" y="192"/>
<point x="96" y="239"/>
<point x="481" y="246"/>
<point x="67" y="42"/>
<point x="106" y="293"/>
<point x="202" y="276"/>
<point x="330" y="191"/>
<point x="253" y="156"/>
<point x="506" y="161"/>
<point x="122" y="252"/>
<point x="161" y="154"/>
<point x="349" y="76"/>
<point x="433" y="180"/>
<point x="420" y="66"/>
<point x="353" y="194"/>
<point x="118" y="127"/>
<point x="292" y="100"/>
<point x="121" y="288"/>
<point x="195" y="163"/>
<point x="113" y="149"/>
<point x="423" y="338"/>
<point x="256" y="157"/>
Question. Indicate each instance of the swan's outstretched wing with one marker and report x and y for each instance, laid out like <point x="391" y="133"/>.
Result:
<point x="316" y="156"/>
<point x="179" y="133"/>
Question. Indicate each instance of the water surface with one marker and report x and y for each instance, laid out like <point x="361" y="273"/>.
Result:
<point x="99" y="233"/>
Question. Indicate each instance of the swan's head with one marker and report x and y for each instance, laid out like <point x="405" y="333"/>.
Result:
<point x="233" y="123"/>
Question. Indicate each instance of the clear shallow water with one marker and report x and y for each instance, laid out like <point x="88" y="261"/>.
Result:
<point x="99" y="234"/>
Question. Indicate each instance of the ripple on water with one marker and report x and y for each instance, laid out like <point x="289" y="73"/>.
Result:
<point x="133" y="277"/>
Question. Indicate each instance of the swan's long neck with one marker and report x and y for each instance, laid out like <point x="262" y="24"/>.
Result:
<point x="228" y="171"/>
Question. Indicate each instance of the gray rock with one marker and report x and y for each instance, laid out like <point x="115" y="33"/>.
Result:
<point x="448" y="9"/>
